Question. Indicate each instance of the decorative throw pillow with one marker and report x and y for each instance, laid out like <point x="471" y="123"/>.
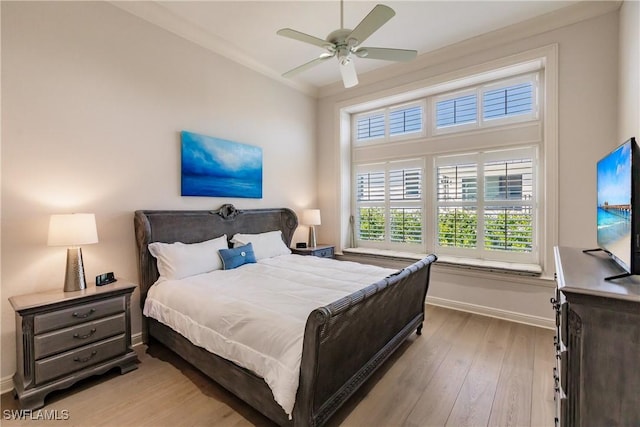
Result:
<point x="179" y="260"/>
<point x="265" y="245"/>
<point x="233" y="258"/>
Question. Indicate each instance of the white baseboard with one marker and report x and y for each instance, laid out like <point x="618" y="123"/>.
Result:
<point x="136" y="339"/>
<point x="6" y="383"/>
<point x="541" y="322"/>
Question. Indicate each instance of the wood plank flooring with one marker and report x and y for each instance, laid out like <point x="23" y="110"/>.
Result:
<point x="465" y="370"/>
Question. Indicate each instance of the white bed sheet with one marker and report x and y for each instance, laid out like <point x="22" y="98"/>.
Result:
<point x="255" y="315"/>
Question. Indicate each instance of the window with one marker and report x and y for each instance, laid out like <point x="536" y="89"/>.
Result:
<point x="471" y="191"/>
<point x="370" y="127"/>
<point x="502" y="102"/>
<point x="456" y="111"/>
<point x="508" y="101"/>
<point x="389" y="204"/>
<point x="486" y="204"/>
<point x="392" y="123"/>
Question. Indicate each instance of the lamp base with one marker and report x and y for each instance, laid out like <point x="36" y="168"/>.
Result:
<point x="74" y="279"/>
<point x="312" y="237"/>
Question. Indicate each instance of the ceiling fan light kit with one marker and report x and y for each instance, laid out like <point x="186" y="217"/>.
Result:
<point x="344" y="44"/>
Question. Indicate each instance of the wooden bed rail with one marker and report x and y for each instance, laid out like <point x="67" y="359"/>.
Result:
<point x="382" y="315"/>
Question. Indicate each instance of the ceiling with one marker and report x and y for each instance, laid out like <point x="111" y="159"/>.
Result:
<point x="245" y="31"/>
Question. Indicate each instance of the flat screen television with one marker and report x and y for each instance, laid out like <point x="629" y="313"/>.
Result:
<point x="618" y="188"/>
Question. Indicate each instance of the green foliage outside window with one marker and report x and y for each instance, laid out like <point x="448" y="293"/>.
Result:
<point x="457" y="228"/>
<point x="507" y="230"/>
<point x="511" y="231"/>
<point x="372" y="224"/>
<point x="405" y="225"/>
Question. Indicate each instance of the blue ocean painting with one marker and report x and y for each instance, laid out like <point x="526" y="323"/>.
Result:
<point x="216" y="167"/>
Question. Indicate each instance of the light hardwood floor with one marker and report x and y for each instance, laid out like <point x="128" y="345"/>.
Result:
<point x="465" y="370"/>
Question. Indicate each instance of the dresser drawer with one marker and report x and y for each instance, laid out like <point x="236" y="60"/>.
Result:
<point x="79" y="314"/>
<point x="65" y="363"/>
<point x="79" y="335"/>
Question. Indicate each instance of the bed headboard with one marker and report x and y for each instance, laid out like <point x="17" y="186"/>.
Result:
<point x="197" y="226"/>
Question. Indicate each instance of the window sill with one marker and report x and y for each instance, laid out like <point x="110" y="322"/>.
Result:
<point x="533" y="270"/>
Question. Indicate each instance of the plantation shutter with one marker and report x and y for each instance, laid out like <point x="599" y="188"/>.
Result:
<point x="405" y="120"/>
<point x="370" y="126"/>
<point x="508" y="101"/>
<point x="508" y="215"/>
<point x="486" y="204"/>
<point x="456" y="111"/>
<point x="389" y="203"/>
<point x="370" y="190"/>
<point x="457" y="195"/>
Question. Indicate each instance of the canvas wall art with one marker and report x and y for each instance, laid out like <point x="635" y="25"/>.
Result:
<point x="216" y="167"/>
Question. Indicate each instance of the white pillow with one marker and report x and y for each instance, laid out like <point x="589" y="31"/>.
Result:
<point x="179" y="260"/>
<point x="265" y="245"/>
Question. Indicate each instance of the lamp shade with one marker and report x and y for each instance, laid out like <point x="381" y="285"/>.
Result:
<point x="311" y="217"/>
<point x="72" y="230"/>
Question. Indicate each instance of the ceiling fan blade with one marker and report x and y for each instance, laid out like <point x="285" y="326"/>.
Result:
<point x="306" y="38"/>
<point x="378" y="16"/>
<point x="386" y="54"/>
<point x="308" y="65"/>
<point x="348" y="71"/>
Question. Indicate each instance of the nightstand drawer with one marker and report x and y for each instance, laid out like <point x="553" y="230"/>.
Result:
<point x="324" y="253"/>
<point x="78" y="314"/>
<point x="79" y="335"/>
<point x="65" y="363"/>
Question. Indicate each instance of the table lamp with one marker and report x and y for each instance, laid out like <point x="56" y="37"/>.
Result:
<point x="311" y="217"/>
<point x="73" y="230"/>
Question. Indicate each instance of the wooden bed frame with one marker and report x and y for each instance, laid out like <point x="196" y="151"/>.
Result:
<point x="344" y="342"/>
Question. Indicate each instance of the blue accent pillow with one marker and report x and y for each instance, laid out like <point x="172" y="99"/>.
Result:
<point x="232" y="258"/>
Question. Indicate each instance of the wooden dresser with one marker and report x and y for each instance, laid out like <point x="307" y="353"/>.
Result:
<point x="597" y="373"/>
<point x="63" y="337"/>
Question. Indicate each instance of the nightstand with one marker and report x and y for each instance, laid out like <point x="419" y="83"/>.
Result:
<point x="63" y="337"/>
<point x="322" y="251"/>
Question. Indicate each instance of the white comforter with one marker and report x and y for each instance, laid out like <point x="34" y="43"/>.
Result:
<point x="255" y="315"/>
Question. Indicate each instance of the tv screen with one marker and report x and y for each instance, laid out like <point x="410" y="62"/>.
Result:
<point x="617" y="172"/>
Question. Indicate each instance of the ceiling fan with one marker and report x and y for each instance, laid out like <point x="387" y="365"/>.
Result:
<point x="345" y="43"/>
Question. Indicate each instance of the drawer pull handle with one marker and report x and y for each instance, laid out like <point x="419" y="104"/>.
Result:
<point x="84" y="337"/>
<point x="85" y="359"/>
<point x="85" y="315"/>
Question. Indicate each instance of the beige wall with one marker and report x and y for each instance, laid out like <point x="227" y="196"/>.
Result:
<point x="587" y="117"/>
<point x="629" y="80"/>
<point x="93" y="100"/>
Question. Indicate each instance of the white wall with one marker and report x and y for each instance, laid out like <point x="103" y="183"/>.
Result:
<point x="587" y="117"/>
<point x="93" y="100"/>
<point x="629" y="80"/>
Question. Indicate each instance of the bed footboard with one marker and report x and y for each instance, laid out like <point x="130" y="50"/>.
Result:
<point x="349" y="339"/>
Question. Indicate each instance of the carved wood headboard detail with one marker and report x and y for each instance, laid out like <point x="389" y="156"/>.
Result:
<point x="196" y="226"/>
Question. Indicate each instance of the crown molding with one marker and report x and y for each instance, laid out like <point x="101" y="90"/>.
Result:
<point x="155" y="13"/>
